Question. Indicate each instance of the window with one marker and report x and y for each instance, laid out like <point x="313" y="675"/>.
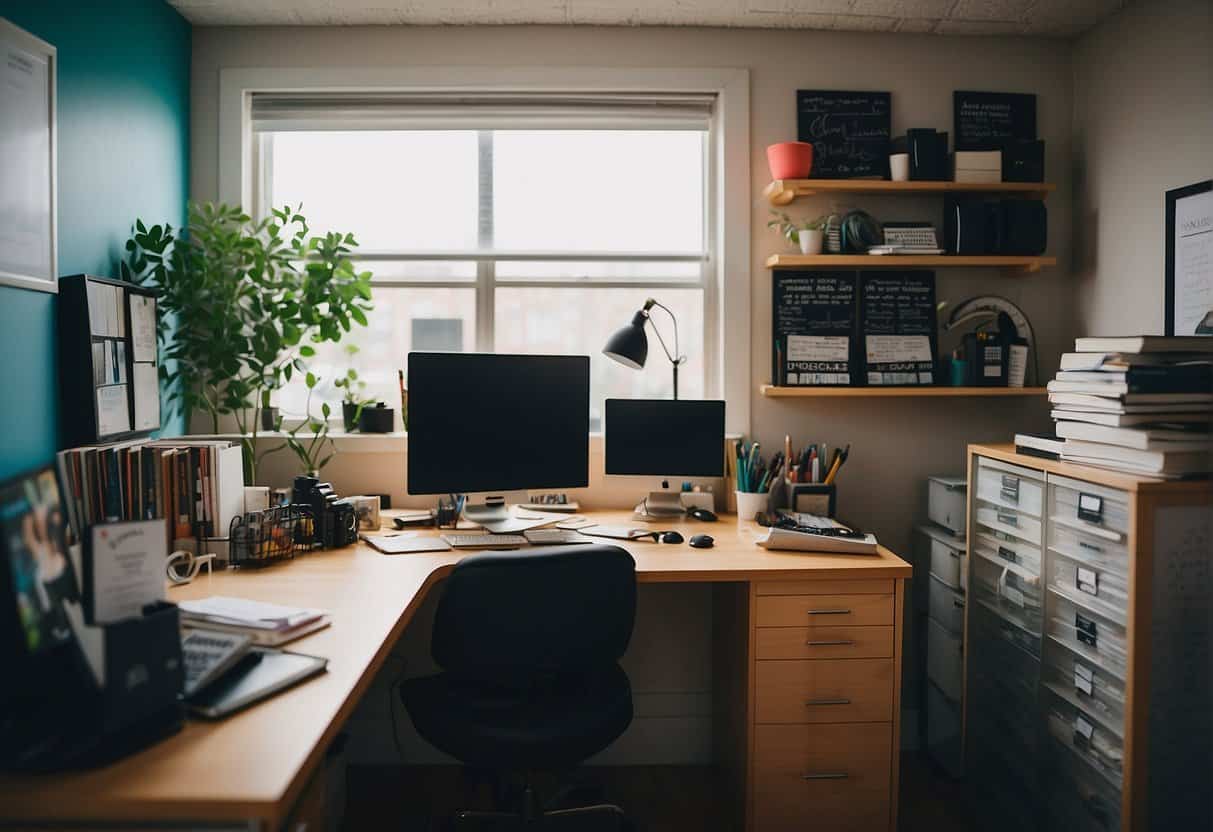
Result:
<point x="506" y="226"/>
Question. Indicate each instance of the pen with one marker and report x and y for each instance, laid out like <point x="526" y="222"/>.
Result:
<point x="839" y="458"/>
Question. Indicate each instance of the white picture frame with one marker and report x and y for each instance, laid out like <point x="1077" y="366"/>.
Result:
<point x="28" y="161"/>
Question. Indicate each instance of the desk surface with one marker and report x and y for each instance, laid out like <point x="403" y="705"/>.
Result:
<point x="256" y="763"/>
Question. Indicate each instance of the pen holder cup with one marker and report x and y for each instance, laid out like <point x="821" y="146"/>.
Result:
<point x="447" y="516"/>
<point x="813" y="498"/>
<point x="750" y="504"/>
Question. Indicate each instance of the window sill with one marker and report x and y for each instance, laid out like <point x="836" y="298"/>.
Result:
<point x="364" y="443"/>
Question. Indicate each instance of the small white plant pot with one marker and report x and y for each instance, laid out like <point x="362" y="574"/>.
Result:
<point x="811" y="241"/>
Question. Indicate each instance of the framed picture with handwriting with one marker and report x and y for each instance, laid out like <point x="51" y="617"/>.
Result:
<point x="1189" y="260"/>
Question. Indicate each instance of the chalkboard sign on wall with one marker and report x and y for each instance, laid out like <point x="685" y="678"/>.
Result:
<point x="987" y="120"/>
<point x="849" y="131"/>
<point x="813" y="321"/>
<point x="897" y="318"/>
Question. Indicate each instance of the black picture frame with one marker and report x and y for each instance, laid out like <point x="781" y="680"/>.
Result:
<point x="1173" y="196"/>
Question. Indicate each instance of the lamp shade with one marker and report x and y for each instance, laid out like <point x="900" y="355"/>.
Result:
<point x="629" y="345"/>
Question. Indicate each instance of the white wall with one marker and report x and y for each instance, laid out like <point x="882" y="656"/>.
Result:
<point x="1143" y="124"/>
<point x="895" y="443"/>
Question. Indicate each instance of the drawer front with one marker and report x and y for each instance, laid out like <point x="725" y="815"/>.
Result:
<point x="1099" y="749"/>
<point x="828" y="777"/>
<point x="945" y="662"/>
<point x="825" y="610"/>
<point x="1000" y="547"/>
<point x="830" y="690"/>
<point x="1089" y="635"/>
<point x="834" y="587"/>
<point x="946" y="502"/>
<point x="1086" y="505"/>
<point x="824" y="643"/>
<point x="1009" y="522"/>
<point x="1104" y="590"/>
<point x="945" y="563"/>
<point x="1102" y="694"/>
<point x="1010" y="486"/>
<point x="1095" y="549"/>
<point x="1009" y="591"/>
<point x="947" y="606"/>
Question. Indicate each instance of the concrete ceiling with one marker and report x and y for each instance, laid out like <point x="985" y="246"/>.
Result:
<point x="1052" y="18"/>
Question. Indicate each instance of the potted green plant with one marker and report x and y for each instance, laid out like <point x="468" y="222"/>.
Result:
<point x="808" y="234"/>
<point x="241" y="302"/>
<point x="309" y="440"/>
<point x="353" y="399"/>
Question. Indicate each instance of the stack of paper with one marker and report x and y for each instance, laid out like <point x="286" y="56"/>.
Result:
<point x="1140" y="404"/>
<point x="266" y="624"/>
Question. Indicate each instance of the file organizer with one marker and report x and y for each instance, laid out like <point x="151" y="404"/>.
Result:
<point x="109" y="385"/>
<point x="1089" y="643"/>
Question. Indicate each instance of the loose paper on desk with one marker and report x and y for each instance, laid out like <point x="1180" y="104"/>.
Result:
<point x="126" y="568"/>
<point x="244" y="613"/>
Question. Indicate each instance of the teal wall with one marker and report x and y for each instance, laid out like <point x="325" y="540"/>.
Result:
<point x="124" y="76"/>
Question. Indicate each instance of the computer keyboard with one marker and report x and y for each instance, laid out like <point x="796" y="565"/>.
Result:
<point x="550" y="537"/>
<point x="485" y="541"/>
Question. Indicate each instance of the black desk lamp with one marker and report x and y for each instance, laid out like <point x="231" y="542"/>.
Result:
<point x="630" y="346"/>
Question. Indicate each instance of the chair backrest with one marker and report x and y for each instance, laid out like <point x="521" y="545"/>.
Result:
<point x="562" y="608"/>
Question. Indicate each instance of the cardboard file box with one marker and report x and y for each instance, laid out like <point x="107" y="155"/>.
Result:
<point x="981" y="166"/>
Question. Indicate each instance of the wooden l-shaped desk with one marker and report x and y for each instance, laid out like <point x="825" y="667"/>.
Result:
<point x="807" y="658"/>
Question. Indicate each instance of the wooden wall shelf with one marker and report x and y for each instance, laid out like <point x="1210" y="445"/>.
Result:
<point x="771" y="391"/>
<point x="784" y="191"/>
<point x="1027" y="265"/>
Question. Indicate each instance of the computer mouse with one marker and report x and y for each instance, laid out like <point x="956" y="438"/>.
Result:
<point x="702" y="541"/>
<point x="701" y="514"/>
<point x="671" y="537"/>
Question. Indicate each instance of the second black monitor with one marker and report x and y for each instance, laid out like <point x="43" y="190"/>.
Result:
<point x="665" y="437"/>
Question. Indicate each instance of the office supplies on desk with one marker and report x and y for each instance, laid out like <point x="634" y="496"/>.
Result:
<point x="275" y="671"/>
<point x="552" y="537"/>
<point x="183" y="566"/>
<point x="575" y="523"/>
<point x="259" y="538"/>
<point x="810" y="533"/>
<point x="404" y="518"/>
<point x="702" y="514"/>
<point x="208" y="654"/>
<point x="266" y="624"/>
<point x="485" y="541"/>
<point x="336" y="520"/>
<point x="402" y="544"/>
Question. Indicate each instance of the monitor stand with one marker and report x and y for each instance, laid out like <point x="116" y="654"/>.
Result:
<point x="492" y="510"/>
<point x="661" y="505"/>
<point x="496" y="517"/>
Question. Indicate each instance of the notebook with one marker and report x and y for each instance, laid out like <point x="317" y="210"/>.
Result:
<point x="275" y="671"/>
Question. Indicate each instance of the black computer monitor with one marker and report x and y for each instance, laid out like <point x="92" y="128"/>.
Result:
<point x="665" y="437"/>
<point x="497" y="423"/>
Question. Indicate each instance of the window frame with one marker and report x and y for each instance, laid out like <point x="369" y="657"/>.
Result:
<point x="725" y="273"/>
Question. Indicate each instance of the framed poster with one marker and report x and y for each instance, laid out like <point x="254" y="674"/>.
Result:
<point x="27" y="161"/>
<point x="1189" y="264"/>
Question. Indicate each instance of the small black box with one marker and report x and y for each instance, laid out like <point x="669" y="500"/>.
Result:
<point x="1022" y="227"/>
<point x="967" y="226"/>
<point x="928" y="151"/>
<point x="1023" y="160"/>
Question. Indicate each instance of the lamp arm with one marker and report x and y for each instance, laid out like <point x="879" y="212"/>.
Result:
<point x="676" y="358"/>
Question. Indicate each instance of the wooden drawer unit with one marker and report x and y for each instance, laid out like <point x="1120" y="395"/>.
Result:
<point x="829" y="690"/>
<point x="828" y="777"/>
<point x="825" y="610"/>
<point x="824" y="643"/>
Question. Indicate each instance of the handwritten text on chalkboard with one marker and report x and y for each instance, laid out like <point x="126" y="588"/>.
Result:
<point x="987" y="120"/>
<point x="849" y="131"/>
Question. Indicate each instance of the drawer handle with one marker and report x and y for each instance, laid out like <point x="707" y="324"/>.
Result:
<point x="841" y="642"/>
<point x="839" y="701"/>
<point x="828" y="612"/>
<point x="825" y="775"/>
<point x="1082" y="544"/>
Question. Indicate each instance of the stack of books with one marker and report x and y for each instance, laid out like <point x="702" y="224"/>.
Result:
<point x="265" y="624"/>
<point x="195" y="485"/>
<point x="1138" y="404"/>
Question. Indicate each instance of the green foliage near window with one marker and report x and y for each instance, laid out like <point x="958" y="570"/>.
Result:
<point x="313" y="452"/>
<point x="240" y="303"/>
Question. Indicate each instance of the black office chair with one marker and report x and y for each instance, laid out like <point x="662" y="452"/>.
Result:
<point x="530" y="643"/>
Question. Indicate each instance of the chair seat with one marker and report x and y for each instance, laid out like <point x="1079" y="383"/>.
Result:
<point x="555" y="726"/>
